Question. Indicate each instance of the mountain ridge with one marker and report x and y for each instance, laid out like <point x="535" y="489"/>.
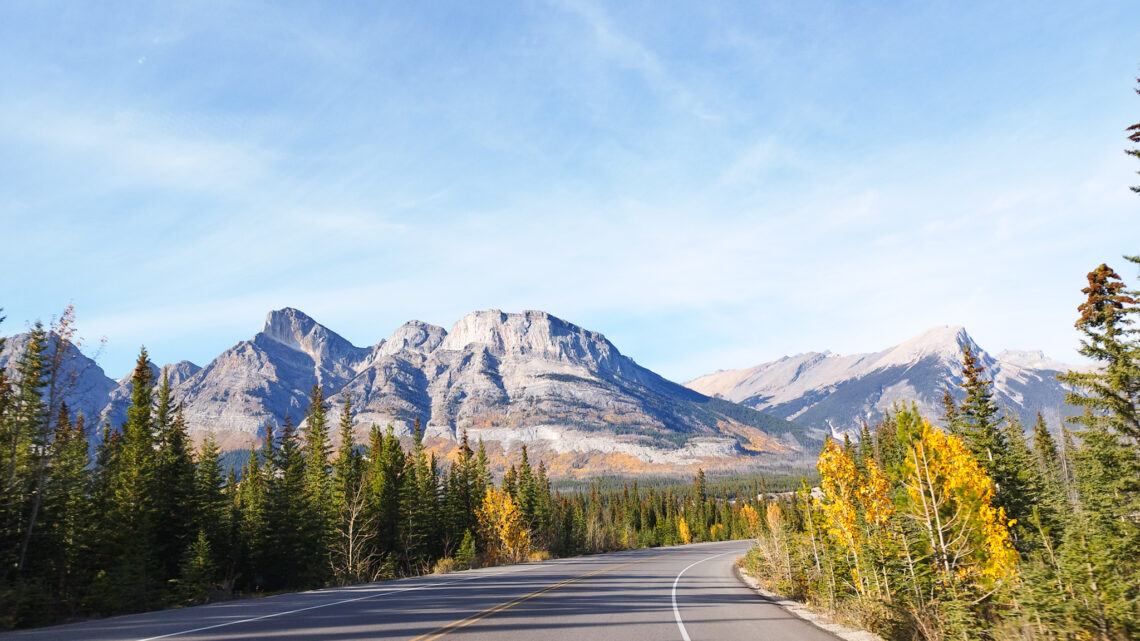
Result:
<point x="507" y="378"/>
<point x="838" y="393"/>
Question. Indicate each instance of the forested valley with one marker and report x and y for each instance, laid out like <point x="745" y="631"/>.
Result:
<point x="143" y="520"/>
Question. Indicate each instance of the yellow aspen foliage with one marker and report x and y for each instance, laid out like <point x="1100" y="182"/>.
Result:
<point x="839" y="480"/>
<point x="772" y="516"/>
<point x="950" y="496"/>
<point x="684" y="532"/>
<point x="842" y="495"/>
<point x="875" y="497"/>
<point x="502" y="524"/>
<point x="752" y="518"/>
<point x="716" y="532"/>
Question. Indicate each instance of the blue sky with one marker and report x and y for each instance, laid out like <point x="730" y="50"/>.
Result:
<point x="711" y="185"/>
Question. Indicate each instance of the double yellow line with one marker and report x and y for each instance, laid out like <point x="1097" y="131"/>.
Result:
<point x="463" y="623"/>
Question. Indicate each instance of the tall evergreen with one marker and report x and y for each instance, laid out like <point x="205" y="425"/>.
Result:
<point x="173" y="483"/>
<point x="317" y="451"/>
<point x="25" y="442"/>
<point x="348" y="468"/>
<point x="460" y="498"/>
<point x="133" y="578"/>
<point x="211" y="508"/>
<point x="386" y="476"/>
<point x="297" y="533"/>
<point x="419" y="505"/>
<point x="1109" y="338"/>
<point x="68" y="514"/>
<point x="254" y="545"/>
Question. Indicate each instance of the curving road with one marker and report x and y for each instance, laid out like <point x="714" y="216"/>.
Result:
<point x="686" y="592"/>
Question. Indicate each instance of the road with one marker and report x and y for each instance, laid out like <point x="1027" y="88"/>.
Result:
<point x="686" y="593"/>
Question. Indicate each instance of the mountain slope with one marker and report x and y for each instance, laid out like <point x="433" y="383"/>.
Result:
<point x="838" y="393"/>
<point x="536" y="379"/>
<point x="508" y="379"/>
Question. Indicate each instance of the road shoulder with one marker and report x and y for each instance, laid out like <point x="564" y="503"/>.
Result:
<point x="818" y="619"/>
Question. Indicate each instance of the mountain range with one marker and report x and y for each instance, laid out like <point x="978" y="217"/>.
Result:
<point x="826" y="391"/>
<point x="566" y="392"/>
<point x="507" y="379"/>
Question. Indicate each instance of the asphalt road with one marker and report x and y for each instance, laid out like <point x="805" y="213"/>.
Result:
<point x="686" y="592"/>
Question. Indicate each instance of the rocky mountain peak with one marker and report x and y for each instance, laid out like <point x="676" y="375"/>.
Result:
<point x="944" y="342"/>
<point x="532" y="334"/>
<point x="296" y="330"/>
<point x="416" y="336"/>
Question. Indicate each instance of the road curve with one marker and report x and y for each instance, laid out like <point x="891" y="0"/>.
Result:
<point x="686" y="593"/>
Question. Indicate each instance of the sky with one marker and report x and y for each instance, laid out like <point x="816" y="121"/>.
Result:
<point x="711" y="185"/>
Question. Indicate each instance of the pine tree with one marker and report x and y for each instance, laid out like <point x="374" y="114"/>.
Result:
<point x="351" y="546"/>
<point x="197" y="572"/>
<point x="254" y="538"/>
<point x="25" y="442"/>
<point x="133" y="577"/>
<point x="296" y="530"/>
<point x="348" y="468"/>
<point x="460" y="500"/>
<point x="1112" y="392"/>
<point x="419" y="507"/>
<point x="211" y="506"/>
<point x="318" y="471"/>
<point x="386" y="477"/>
<point x="68" y="514"/>
<point x="173" y="483"/>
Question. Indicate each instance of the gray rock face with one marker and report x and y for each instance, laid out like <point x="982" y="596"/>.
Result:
<point x="510" y="379"/>
<point x="536" y="379"/>
<point x="837" y="393"/>
<point x="82" y="383"/>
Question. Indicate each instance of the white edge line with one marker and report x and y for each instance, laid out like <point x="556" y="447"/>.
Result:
<point x="676" y="610"/>
<point x="326" y="605"/>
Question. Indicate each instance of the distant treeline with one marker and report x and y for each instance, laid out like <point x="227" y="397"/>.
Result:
<point x="146" y="522"/>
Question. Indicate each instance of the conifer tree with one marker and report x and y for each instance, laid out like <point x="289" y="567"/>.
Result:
<point x="1112" y="392"/>
<point x="211" y="505"/>
<point x="419" y="505"/>
<point x="348" y="468"/>
<point x="318" y="471"/>
<point x="198" y="572"/>
<point x="386" y="477"/>
<point x="253" y="502"/>
<point x="460" y="500"/>
<point x="68" y="509"/>
<point x="134" y="575"/>
<point x="296" y="530"/>
<point x="25" y="442"/>
<point x="173" y="483"/>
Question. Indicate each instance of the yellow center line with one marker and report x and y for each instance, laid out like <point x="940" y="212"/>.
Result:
<point x="463" y="623"/>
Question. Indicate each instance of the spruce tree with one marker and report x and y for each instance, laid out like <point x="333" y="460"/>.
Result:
<point x="386" y="477"/>
<point x="25" y="442"/>
<point x="134" y="574"/>
<point x="1112" y="391"/>
<point x="173" y="483"/>
<point x="318" y="470"/>
<point x="68" y="516"/>
<point x="254" y="552"/>
<point x="296" y="529"/>
<point x="348" y="467"/>
<point x="211" y="506"/>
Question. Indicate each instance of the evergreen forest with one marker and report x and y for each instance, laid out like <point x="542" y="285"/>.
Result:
<point x="143" y="520"/>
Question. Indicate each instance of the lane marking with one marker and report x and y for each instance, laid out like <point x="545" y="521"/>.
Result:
<point x="383" y="592"/>
<point x="463" y="623"/>
<point x="676" y="610"/>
